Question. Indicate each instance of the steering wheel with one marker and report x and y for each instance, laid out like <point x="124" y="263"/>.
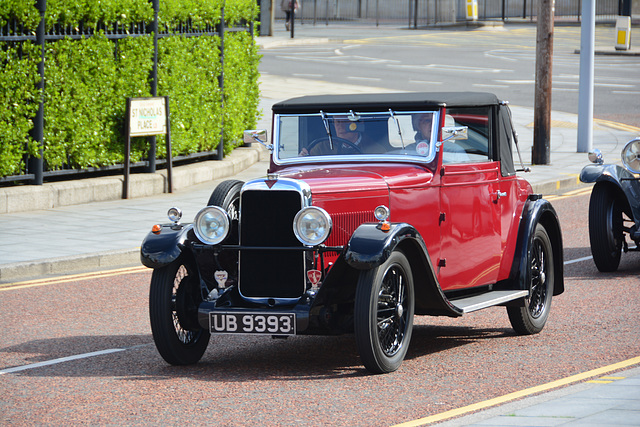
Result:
<point x="337" y="141"/>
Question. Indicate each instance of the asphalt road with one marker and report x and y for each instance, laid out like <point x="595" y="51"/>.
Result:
<point x="498" y="60"/>
<point x="78" y="350"/>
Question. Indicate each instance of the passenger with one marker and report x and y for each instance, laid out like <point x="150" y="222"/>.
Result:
<point x="423" y="125"/>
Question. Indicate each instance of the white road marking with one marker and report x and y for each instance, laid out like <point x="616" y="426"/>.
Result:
<point x="489" y="85"/>
<point x="425" y="82"/>
<point x="370" y="79"/>
<point x="315" y="76"/>
<point x="60" y="360"/>
<point x="573" y="261"/>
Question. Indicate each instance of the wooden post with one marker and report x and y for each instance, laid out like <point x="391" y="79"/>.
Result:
<point x="540" y="153"/>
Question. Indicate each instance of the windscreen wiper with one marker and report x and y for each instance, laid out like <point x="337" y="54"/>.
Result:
<point x="393" y="116"/>
<point x="325" y="121"/>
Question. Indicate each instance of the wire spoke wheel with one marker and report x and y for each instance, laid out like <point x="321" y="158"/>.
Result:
<point x="174" y="297"/>
<point x="532" y="316"/>
<point x="383" y="319"/>
<point x="538" y="295"/>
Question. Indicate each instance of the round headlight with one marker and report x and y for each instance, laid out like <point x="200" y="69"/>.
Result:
<point x="312" y="226"/>
<point x="211" y="225"/>
<point x="631" y="155"/>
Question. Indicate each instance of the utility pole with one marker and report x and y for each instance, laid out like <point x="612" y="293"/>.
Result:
<point x="585" y="88"/>
<point x="540" y="153"/>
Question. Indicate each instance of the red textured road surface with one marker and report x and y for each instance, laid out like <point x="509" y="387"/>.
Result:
<point x="303" y="380"/>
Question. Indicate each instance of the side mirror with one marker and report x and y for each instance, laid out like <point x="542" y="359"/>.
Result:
<point x="257" y="135"/>
<point x="455" y="133"/>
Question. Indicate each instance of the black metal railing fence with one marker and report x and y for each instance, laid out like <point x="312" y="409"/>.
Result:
<point x="14" y="34"/>
<point x="430" y="12"/>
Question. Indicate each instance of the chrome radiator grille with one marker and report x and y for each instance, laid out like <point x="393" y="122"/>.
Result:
<point x="266" y="221"/>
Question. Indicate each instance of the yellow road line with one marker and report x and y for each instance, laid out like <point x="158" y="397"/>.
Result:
<point x="71" y="277"/>
<point x="519" y="394"/>
<point x="618" y="126"/>
<point x="572" y="193"/>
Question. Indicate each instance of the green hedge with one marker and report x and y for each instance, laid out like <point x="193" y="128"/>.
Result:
<point x="88" y="81"/>
<point x="19" y="99"/>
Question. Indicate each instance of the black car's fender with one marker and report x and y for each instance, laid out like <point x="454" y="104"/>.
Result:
<point x="537" y="211"/>
<point x="370" y="247"/>
<point x="159" y="250"/>
<point x="622" y="183"/>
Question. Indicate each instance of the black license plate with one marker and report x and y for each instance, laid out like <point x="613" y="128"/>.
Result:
<point x="252" y="323"/>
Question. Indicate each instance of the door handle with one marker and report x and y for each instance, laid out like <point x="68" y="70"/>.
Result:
<point x="500" y="194"/>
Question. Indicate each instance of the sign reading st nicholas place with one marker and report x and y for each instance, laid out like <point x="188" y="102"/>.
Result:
<point x="147" y="116"/>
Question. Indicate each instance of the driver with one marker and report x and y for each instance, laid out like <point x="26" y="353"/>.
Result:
<point x="354" y="140"/>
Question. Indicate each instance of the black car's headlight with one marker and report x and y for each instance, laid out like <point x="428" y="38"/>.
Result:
<point x="312" y="225"/>
<point x="211" y="225"/>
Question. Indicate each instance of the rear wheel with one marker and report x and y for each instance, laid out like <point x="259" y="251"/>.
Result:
<point x="531" y="318"/>
<point x="605" y="229"/>
<point x="383" y="318"/>
<point x="173" y="309"/>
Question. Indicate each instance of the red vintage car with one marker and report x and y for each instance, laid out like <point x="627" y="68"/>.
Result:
<point x="375" y="208"/>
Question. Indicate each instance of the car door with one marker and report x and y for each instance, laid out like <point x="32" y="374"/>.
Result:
<point x="470" y="249"/>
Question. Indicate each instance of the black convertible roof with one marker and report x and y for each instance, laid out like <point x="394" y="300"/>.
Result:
<point x="384" y="101"/>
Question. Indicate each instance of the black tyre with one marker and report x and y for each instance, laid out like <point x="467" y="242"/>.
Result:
<point x="605" y="229"/>
<point x="383" y="314"/>
<point x="173" y="308"/>
<point x="227" y="196"/>
<point x="531" y="318"/>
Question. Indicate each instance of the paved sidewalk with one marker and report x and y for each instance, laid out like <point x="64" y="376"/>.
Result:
<point x="77" y="233"/>
<point x="65" y="237"/>
<point x="604" y="401"/>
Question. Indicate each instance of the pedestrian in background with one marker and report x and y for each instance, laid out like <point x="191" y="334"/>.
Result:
<point x="286" y="7"/>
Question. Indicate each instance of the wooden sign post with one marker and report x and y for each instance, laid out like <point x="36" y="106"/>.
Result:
<point x="146" y="117"/>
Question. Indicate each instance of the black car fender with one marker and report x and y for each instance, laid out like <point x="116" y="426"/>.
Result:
<point x="537" y="211"/>
<point x="621" y="182"/>
<point x="160" y="249"/>
<point x="370" y="247"/>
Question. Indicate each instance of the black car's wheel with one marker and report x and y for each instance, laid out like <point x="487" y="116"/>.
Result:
<point x="605" y="229"/>
<point x="173" y="308"/>
<point x="227" y="196"/>
<point x="531" y="318"/>
<point x="344" y="145"/>
<point x="383" y="315"/>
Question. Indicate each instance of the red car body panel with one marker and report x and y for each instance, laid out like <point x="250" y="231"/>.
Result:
<point x="469" y="231"/>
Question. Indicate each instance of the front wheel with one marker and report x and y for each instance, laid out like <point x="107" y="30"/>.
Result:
<point x="605" y="229"/>
<point x="173" y="309"/>
<point x="383" y="314"/>
<point x="531" y="318"/>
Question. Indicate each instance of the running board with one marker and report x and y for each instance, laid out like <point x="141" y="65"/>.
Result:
<point x="489" y="299"/>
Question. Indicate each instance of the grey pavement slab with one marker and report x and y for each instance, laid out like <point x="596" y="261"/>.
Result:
<point x="611" y="400"/>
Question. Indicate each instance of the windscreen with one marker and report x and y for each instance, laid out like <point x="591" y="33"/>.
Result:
<point x="306" y="137"/>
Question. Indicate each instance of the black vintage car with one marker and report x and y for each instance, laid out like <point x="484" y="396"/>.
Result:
<point x="375" y="208"/>
<point x="614" y="207"/>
